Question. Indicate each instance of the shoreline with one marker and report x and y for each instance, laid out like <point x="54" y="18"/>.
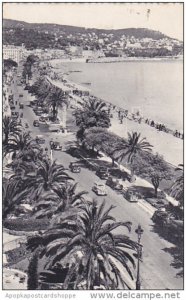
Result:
<point x="114" y="59"/>
<point x="159" y="139"/>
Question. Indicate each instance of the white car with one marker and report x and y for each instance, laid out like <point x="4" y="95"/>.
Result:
<point x="99" y="188"/>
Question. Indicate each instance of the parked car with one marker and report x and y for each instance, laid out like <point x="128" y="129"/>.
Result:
<point x="38" y="111"/>
<point x="21" y="105"/>
<point x="36" y="123"/>
<point x="102" y="173"/>
<point x="15" y="114"/>
<point x="99" y="188"/>
<point x="157" y="203"/>
<point x="20" y="95"/>
<point x="55" y="145"/>
<point x="40" y="139"/>
<point x="130" y="196"/>
<point x="74" y="167"/>
<point x="114" y="183"/>
<point x="160" y="217"/>
<point x="12" y="107"/>
<point x="22" y="279"/>
<point x="10" y="97"/>
<point x="33" y="103"/>
<point x="172" y="227"/>
<point x="43" y="119"/>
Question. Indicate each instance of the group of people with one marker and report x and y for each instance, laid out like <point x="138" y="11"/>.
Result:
<point x="124" y="113"/>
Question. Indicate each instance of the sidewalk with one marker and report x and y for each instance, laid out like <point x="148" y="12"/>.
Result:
<point x="139" y="182"/>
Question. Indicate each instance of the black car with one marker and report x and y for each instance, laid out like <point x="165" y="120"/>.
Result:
<point x="157" y="203"/>
<point x="160" y="217"/>
<point x="102" y="173"/>
<point x="36" y="123"/>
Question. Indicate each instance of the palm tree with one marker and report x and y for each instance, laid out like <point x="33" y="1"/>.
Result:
<point x="14" y="193"/>
<point x="92" y="113"/>
<point x="131" y="147"/>
<point x="43" y="88"/>
<point x="55" y="99"/>
<point x="21" y="144"/>
<point x="48" y="176"/>
<point x="97" y="256"/>
<point x="10" y="127"/>
<point x="64" y="200"/>
<point x="177" y="189"/>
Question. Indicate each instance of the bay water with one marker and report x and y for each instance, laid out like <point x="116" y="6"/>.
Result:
<point x="155" y="88"/>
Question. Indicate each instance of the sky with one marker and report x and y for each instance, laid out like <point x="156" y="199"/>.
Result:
<point x="164" y="17"/>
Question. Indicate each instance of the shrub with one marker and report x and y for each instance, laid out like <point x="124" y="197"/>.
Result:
<point x="26" y="225"/>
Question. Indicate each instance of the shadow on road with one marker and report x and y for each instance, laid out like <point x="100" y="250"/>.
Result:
<point x="177" y="253"/>
<point x="177" y="249"/>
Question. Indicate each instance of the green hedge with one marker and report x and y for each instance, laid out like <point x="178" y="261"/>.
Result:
<point x="26" y="225"/>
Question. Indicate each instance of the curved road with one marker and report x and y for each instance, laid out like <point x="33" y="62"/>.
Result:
<point x="155" y="270"/>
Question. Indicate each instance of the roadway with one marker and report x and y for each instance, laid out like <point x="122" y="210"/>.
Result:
<point x="155" y="270"/>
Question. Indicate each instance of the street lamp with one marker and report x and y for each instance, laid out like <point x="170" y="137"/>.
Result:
<point x="139" y="232"/>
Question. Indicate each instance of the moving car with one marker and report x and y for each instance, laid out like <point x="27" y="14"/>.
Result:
<point x="40" y="139"/>
<point x="114" y="183"/>
<point x="99" y="188"/>
<point x="55" y="146"/>
<point x="103" y="173"/>
<point x="55" y="127"/>
<point x="36" y="123"/>
<point x="74" y="167"/>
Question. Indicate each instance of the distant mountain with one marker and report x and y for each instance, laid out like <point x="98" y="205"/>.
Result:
<point x="56" y="28"/>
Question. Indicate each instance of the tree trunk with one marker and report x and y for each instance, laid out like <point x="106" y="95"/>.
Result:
<point x="32" y="282"/>
<point x="6" y="138"/>
<point x="155" y="182"/>
<point x="53" y="111"/>
<point x="156" y="191"/>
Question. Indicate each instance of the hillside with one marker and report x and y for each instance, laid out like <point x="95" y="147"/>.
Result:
<point x="54" y="28"/>
<point x="35" y="35"/>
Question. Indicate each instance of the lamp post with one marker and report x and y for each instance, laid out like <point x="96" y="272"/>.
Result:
<point x="139" y="232"/>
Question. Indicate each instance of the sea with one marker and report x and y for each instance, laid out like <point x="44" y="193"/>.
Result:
<point x="154" y="88"/>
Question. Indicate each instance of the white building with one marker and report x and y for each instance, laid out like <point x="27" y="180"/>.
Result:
<point x="15" y="53"/>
